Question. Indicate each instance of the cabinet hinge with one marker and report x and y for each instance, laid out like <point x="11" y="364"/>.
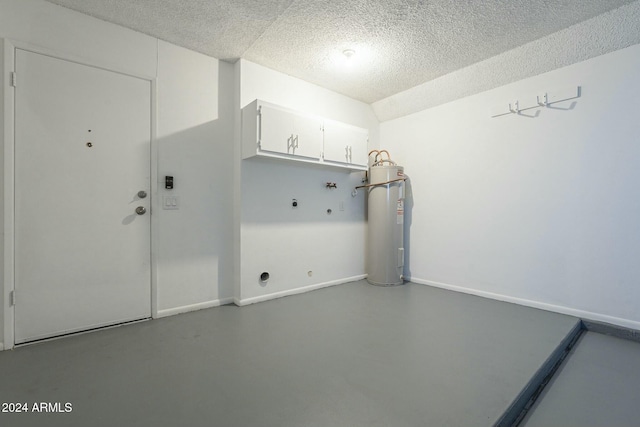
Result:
<point x="12" y="298"/>
<point x="12" y="79"/>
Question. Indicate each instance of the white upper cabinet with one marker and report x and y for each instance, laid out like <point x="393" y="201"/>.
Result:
<point x="275" y="130"/>
<point x="272" y="131"/>
<point x="345" y="144"/>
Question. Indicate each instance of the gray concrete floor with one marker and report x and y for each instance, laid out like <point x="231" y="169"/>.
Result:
<point x="598" y="385"/>
<point x="349" y="355"/>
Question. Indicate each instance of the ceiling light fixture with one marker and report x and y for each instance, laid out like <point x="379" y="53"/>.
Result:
<point x="350" y="58"/>
<point x="348" y="53"/>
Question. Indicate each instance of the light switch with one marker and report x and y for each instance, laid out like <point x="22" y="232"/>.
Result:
<point x="171" y="202"/>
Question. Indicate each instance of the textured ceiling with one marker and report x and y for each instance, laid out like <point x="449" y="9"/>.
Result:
<point x="399" y="44"/>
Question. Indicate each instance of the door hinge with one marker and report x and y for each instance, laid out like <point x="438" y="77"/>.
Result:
<point x="12" y="79"/>
<point x="12" y="298"/>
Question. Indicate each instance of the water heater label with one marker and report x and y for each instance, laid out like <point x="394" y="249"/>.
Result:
<point x="400" y="216"/>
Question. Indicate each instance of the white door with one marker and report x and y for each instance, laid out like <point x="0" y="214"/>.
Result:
<point x="82" y="155"/>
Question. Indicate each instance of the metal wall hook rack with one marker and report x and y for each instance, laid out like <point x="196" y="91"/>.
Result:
<point x="544" y="99"/>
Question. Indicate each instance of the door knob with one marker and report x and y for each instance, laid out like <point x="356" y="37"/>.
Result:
<point x="142" y="194"/>
<point x="141" y="210"/>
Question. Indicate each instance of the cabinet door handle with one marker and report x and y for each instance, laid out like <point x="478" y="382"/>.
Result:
<point x="350" y="154"/>
<point x="290" y="145"/>
<point x="296" y="140"/>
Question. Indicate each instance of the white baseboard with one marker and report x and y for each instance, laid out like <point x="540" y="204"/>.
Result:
<point x="1" y="346"/>
<point x="304" y="289"/>
<point x="194" y="307"/>
<point x="582" y="314"/>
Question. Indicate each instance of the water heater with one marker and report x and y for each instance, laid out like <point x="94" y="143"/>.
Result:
<point x="385" y="251"/>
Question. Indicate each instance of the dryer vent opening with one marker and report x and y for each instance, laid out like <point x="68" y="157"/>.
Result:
<point x="264" y="277"/>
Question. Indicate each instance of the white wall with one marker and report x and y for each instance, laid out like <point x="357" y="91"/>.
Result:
<point x="195" y="140"/>
<point x="540" y="208"/>
<point x="286" y="242"/>
<point x="194" y="125"/>
<point x="71" y="33"/>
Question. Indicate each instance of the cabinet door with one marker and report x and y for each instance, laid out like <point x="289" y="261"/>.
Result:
<point x="359" y="150"/>
<point x="276" y="130"/>
<point x="345" y="144"/>
<point x="307" y="136"/>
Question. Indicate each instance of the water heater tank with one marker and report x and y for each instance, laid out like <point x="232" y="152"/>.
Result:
<point x="385" y="251"/>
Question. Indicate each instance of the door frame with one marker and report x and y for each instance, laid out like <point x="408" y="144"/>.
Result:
<point x="7" y="156"/>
